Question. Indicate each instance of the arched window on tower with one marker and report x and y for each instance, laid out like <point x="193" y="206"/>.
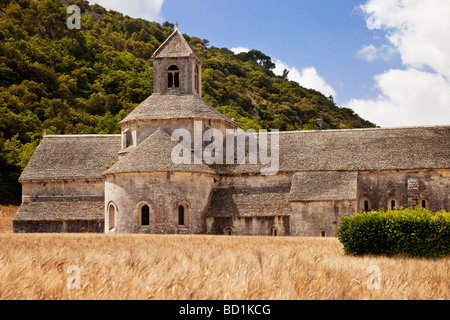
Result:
<point x="173" y="77"/>
<point x="145" y="215"/>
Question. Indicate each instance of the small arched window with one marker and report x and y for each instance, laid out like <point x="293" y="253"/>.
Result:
<point x="145" y="215"/>
<point x="365" y="204"/>
<point x="181" y="215"/>
<point x="112" y="217"/>
<point x="424" y="203"/>
<point x="323" y="233"/>
<point x="274" y="232"/>
<point x="228" y="231"/>
<point x="393" y="204"/>
<point x="173" y="76"/>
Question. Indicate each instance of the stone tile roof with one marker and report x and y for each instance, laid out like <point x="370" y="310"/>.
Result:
<point x="72" y="157"/>
<point x="175" y="46"/>
<point x="166" y="106"/>
<point x="87" y="156"/>
<point x="154" y="154"/>
<point x="250" y="202"/>
<point x="361" y="150"/>
<point x="324" y="185"/>
<point x="61" y="211"/>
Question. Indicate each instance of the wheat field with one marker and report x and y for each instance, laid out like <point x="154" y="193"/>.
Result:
<point x="88" y="266"/>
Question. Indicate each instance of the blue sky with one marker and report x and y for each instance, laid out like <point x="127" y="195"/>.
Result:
<point x="323" y="34"/>
<point x="367" y="53"/>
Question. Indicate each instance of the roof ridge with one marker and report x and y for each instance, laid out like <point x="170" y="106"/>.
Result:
<point x="169" y="39"/>
<point x="81" y="135"/>
<point x="169" y="106"/>
<point x="123" y="165"/>
<point x="357" y="129"/>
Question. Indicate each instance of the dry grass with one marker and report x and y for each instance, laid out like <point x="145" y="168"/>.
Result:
<point x="206" y="267"/>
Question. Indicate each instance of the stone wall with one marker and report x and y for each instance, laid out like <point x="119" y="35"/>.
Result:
<point x="407" y="188"/>
<point x="310" y="218"/>
<point x="94" y="226"/>
<point x="51" y="190"/>
<point x="163" y="193"/>
<point x="141" y="130"/>
<point x="249" y="226"/>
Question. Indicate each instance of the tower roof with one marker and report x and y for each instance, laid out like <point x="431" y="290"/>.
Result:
<point x="159" y="106"/>
<point x="182" y="101"/>
<point x="175" y="46"/>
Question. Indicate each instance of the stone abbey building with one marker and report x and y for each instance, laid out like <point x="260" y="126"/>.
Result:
<point x="129" y="183"/>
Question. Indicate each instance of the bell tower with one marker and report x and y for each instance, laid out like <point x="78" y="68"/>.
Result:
<point x="176" y="101"/>
<point x="176" y="67"/>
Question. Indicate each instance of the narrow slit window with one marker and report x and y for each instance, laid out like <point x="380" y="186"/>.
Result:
<point x="424" y="203"/>
<point x="170" y="80"/>
<point x="177" y="80"/>
<point x="366" y="205"/>
<point x="112" y="217"/>
<point x="181" y="215"/>
<point x="274" y="232"/>
<point x="145" y="215"/>
<point x="393" y="204"/>
<point x="197" y="80"/>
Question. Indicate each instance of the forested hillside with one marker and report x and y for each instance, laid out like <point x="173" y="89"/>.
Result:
<point x="85" y="81"/>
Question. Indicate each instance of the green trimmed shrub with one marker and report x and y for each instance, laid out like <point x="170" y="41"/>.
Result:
<point x="415" y="232"/>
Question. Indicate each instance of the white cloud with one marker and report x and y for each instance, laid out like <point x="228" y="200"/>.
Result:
<point x="145" y="9"/>
<point x="371" y="53"/>
<point x="238" y="50"/>
<point x="368" y="53"/>
<point x="419" y="94"/>
<point x="410" y="97"/>
<point x="308" y="78"/>
<point x="419" y="29"/>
